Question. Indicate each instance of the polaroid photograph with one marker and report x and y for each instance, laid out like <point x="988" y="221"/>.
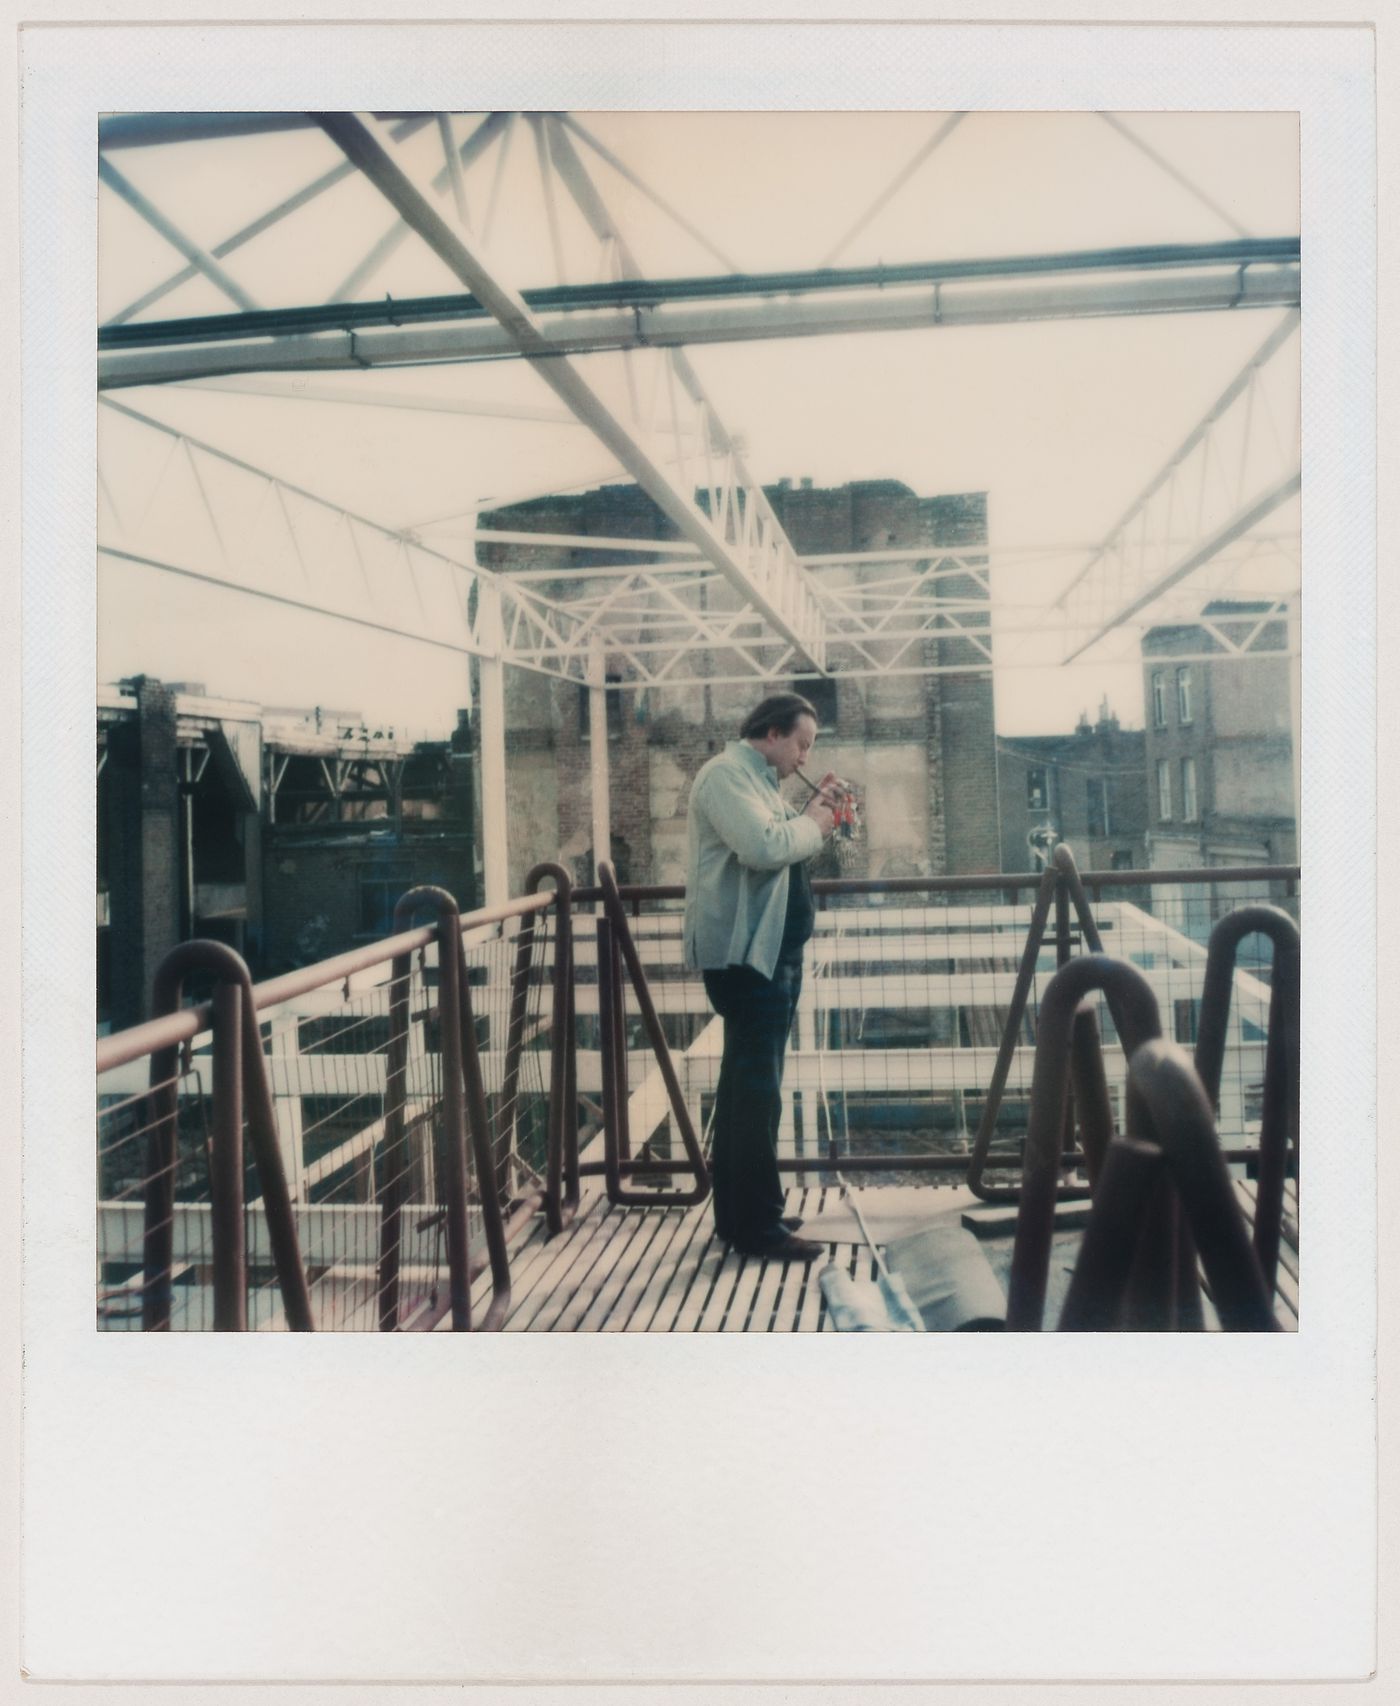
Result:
<point x="696" y="666"/>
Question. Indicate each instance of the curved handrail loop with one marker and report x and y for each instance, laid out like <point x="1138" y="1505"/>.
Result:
<point x="1278" y="1125"/>
<point x="1176" y="1137"/>
<point x="1137" y="1018"/>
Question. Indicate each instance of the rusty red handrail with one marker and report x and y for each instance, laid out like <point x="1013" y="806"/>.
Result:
<point x="171" y="1029"/>
<point x="1173" y="1147"/>
<point x="561" y="1165"/>
<point x="1214" y="876"/>
<point x="240" y="1074"/>
<point x="1136" y="1016"/>
<point x="1046" y="889"/>
<point x="241" y="1090"/>
<point x="1278" y="1128"/>
<point x="614" y="937"/>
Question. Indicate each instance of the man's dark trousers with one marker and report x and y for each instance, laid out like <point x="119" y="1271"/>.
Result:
<point x="757" y="1013"/>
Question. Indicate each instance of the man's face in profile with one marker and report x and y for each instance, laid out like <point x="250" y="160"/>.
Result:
<point x="787" y="753"/>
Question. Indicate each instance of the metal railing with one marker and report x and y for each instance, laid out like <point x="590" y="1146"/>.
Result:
<point x="912" y="1051"/>
<point x="404" y="1106"/>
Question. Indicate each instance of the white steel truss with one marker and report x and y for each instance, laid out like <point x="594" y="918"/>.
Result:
<point x="1227" y="476"/>
<point x="741" y="606"/>
<point x="195" y="511"/>
<point x="192" y="510"/>
<point x="740" y="535"/>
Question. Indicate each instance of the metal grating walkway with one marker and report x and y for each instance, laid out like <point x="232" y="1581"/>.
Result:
<point x="657" y="1270"/>
<point x="662" y="1270"/>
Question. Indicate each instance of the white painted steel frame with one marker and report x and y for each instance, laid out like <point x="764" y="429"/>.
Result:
<point x="895" y="308"/>
<point x="750" y="549"/>
<point x="653" y="618"/>
<point x="1141" y="557"/>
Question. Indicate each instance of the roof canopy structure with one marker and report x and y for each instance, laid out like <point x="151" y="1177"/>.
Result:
<point x="537" y="281"/>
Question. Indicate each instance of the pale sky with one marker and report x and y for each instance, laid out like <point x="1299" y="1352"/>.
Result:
<point x="1061" y="423"/>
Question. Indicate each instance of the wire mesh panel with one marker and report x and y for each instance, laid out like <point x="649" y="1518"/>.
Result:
<point x="364" y="1138"/>
<point x="155" y="1211"/>
<point x="134" y="1163"/>
<point x="329" y="1067"/>
<point x="508" y="981"/>
<point x="1164" y="932"/>
<point x="903" y="1010"/>
<point x="907" y="999"/>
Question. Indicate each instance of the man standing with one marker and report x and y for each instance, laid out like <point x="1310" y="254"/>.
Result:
<point x="748" y="914"/>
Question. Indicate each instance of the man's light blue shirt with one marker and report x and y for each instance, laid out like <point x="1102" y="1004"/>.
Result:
<point x="742" y="836"/>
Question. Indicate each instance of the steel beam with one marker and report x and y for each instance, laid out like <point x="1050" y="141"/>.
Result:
<point x="481" y="138"/>
<point x="892" y="189"/>
<point x="634" y="291"/>
<point x="197" y="257"/>
<point x="147" y="130"/>
<point x="912" y="308"/>
<point x="764" y="570"/>
<point x="255" y="228"/>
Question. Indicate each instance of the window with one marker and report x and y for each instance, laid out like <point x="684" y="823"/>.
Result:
<point x="1164" y="790"/>
<point x="379" y="889"/>
<point x="1098" y="806"/>
<point x="1183" y="694"/>
<point x="1122" y="859"/>
<point x="1188" y="790"/>
<point x="820" y="692"/>
<point x="1037" y="789"/>
<point x="614" y="708"/>
<point x="1159" y="699"/>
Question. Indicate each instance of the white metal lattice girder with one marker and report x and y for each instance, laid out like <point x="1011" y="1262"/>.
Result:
<point x="196" y="511"/>
<point x="756" y="556"/>
<point x="192" y="510"/>
<point x="1230" y="473"/>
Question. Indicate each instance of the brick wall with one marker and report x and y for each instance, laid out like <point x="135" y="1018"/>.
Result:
<point x="938" y="816"/>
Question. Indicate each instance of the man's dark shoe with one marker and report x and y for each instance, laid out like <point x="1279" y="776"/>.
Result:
<point x="791" y="1221"/>
<point x="786" y="1249"/>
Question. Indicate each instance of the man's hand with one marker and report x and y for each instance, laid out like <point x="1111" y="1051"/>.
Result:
<point x="821" y="814"/>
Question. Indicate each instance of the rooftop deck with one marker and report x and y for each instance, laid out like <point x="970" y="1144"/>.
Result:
<point x="657" y="1270"/>
<point x="412" y="1114"/>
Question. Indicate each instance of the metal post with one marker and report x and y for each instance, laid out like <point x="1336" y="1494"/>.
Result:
<point x="598" y="760"/>
<point x="226" y="1166"/>
<point x="477" y="1122"/>
<point x="560" y="1193"/>
<point x="391" y="1191"/>
<point x="507" y="1139"/>
<point x="495" y="850"/>
<point x="286" y="1041"/>
<point x="454" y="1029"/>
<point x="991" y="1104"/>
<point x="162" y="1158"/>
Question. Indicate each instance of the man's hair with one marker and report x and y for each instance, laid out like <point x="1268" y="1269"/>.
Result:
<point x="779" y="711"/>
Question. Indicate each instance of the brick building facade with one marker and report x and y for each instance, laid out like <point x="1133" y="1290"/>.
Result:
<point x="922" y="749"/>
<point x="1088" y="788"/>
<point x="1219" y="747"/>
